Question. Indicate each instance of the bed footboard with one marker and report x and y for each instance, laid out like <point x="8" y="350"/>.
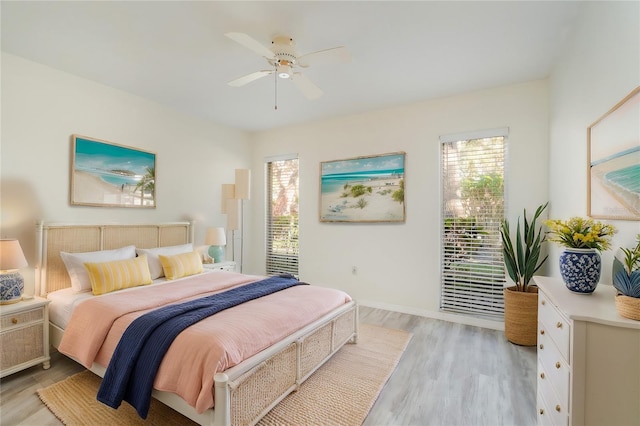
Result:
<point x="245" y="393"/>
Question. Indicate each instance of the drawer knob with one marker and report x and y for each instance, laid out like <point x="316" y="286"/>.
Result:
<point x="542" y="411"/>
<point x="14" y="320"/>
<point x="558" y="408"/>
<point x="541" y="346"/>
<point x="542" y="375"/>
<point x="543" y="303"/>
<point x="559" y="324"/>
<point x="557" y="365"/>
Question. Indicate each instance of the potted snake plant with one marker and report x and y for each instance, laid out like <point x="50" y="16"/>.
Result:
<point x="522" y="260"/>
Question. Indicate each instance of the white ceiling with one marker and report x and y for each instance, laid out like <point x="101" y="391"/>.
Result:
<point x="175" y="52"/>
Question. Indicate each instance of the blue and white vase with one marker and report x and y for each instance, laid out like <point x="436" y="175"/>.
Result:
<point x="11" y="287"/>
<point x="580" y="269"/>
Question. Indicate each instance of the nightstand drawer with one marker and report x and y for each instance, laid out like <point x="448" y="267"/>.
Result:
<point x="21" y="345"/>
<point x="20" y="319"/>
<point x="554" y="324"/>
<point x="228" y="266"/>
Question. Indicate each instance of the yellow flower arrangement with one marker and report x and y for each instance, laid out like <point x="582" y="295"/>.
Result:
<point x="578" y="232"/>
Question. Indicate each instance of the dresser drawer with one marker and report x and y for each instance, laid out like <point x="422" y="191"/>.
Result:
<point x="544" y="417"/>
<point x="554" y="325"/>
<point x="20" y="319"/>
<point x="554" y="410"/>
<point x="554" y="369"/>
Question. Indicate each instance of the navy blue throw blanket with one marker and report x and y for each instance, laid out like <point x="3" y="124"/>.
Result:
<point x="136" y="359"/>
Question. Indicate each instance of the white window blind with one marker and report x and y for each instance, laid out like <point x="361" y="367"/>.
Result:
<point x="472" y="208"/>
<point x="282" y="216"/>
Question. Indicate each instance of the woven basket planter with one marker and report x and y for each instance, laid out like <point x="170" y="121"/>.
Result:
<point x="521" y="316"/>
<point x="628" y="307"/>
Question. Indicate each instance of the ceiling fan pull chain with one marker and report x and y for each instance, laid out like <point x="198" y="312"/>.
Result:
<point x="276" y="92"/>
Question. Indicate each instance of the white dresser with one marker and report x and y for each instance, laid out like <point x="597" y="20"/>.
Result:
<point x="588" y="358"/>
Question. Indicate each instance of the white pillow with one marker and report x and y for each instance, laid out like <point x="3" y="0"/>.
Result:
<point x="155" y="267"/>
<point x="78" y="273"/>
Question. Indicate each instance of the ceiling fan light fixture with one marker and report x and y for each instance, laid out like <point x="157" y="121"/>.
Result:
<point x="284" y="71"/>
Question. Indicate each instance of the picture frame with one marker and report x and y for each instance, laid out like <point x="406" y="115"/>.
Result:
<point x="613" y="162"/>
<point x="363" y="189"/>
<point x="106" y="174"/>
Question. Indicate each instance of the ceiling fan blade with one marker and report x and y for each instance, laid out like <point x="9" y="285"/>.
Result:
<point x="327" y="56"/>
<point x="249" y="78"/>
<point x="306" y="86"/>
<point x="251" y="44"/>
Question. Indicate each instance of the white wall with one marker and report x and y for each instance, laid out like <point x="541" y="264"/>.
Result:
<point x="43" y="107"/>
<point x="600" y="67"/>
<point x="398" y="264"/>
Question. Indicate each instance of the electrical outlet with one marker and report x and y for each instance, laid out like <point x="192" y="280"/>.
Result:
<point x="354" y="270"/>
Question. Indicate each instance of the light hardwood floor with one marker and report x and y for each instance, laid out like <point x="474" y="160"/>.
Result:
<point x="450" y="374"/>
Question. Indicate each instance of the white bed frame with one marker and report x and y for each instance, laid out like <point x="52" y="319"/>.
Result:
<point x="243" y="394"/>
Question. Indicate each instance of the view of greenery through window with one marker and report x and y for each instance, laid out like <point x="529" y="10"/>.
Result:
<point x="282" y="216"/>
<point x="473" y="207"/>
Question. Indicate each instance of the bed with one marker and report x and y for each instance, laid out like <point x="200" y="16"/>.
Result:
<point x="249" y="388"/>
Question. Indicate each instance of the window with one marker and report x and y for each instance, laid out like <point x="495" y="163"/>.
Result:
<point x="282" y="215"/>
<point x="473" y="205"/>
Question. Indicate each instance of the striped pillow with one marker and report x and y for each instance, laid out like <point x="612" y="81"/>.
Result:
<point x="106" y="277"/>
<point x="181" y="265"/>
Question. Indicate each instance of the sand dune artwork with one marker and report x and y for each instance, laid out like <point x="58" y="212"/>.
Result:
<point x="614" y="162"/>
<point x="363" y="189"/>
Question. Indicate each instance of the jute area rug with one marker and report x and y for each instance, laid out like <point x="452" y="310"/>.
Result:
<point x="341" y="392"/>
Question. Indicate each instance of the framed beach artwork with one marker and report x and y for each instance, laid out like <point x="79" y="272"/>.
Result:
<point x="106" y="174"/>
<point x="363" y="189"/>
<point x="613" y="161"/>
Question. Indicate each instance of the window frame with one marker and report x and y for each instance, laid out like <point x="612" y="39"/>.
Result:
<point x="284" y="262"/>
<point x="487" y="300"/>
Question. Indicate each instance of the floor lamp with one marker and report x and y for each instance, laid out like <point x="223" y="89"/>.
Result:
<point x="231" y="209"/>
<point x="229" y="193"/>
<point x="242" y="192"/>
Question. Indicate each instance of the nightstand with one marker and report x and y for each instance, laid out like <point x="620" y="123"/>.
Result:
<point x="24" y="335"/>
<point x="229" y="266"/>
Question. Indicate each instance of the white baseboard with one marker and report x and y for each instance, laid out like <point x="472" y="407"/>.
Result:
<point x="444" y="316"/>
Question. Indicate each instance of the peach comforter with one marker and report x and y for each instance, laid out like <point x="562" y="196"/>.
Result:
<point x="207" y="347"/>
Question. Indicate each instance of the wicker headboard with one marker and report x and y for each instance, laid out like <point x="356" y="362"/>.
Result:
<point x="51" y="239"/>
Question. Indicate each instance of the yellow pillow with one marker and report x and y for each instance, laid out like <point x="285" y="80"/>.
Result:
<point x="106" y="277"/>
<point x="181" y="265"/>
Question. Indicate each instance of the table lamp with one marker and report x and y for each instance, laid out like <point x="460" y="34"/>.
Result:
<point x="216" y="239"/>
<point x="11" y="281"/>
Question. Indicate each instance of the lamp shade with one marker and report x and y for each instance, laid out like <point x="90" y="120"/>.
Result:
<point x="228" y="193"/>
<point x="243" y="184"/>
<point x="215" y="237"/>
<point x="11" y="255"/>
<point x="233" y="218"/>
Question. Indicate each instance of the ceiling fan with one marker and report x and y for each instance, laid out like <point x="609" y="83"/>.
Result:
<point x="285" y="61"/>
